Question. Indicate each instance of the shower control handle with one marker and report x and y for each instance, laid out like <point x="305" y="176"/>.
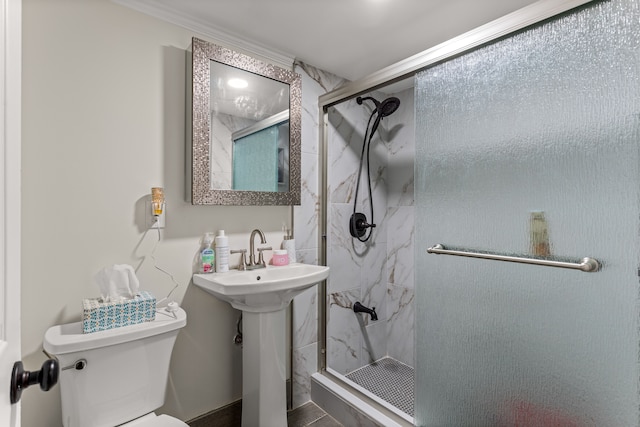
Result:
<point x="358" y="225"/>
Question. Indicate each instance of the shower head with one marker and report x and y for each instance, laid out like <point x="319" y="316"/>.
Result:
<point x="388" y="106"/>
<point x="384" y="108"/>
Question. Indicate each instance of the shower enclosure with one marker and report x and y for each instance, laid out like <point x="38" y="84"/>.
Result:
<point x="526" y="148"/>
<point x="374" y="268"/>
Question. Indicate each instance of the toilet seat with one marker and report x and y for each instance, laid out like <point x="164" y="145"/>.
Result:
<point x="153" y="420"/>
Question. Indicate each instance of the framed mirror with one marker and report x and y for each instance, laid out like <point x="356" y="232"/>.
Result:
<point x="245" y="130"/>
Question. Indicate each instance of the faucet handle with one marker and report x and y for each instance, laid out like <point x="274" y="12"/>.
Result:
<point x="261" y="256"/>
<point x="243" y="258"/>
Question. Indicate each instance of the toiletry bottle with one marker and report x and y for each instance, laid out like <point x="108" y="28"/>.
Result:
<point x="222" y="252"/>
<point x="539" y="234"/>
<point x="207" y="256"/>
<point x="289" y="244"/>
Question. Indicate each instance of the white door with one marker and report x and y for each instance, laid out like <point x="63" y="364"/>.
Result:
<point x="10" y="123"/>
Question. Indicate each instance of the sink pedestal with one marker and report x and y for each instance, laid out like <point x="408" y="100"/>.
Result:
<point x="264" y="402"/>
<point x="263" y="295"/>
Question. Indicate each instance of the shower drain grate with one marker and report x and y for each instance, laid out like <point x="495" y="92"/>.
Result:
<point x="390" y="380"/>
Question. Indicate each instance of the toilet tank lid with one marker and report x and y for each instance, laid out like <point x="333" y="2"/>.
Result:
<point x="69" y="338"/>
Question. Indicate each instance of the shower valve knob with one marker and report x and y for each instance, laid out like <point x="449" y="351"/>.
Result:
<point x="358" y="224"/>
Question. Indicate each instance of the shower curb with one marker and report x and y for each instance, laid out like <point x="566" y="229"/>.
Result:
<point x="345" y="407"/>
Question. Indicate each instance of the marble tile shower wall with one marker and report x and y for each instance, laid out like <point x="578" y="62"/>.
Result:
<point x="389" y="272"/>
<point x="379" y="272"/>
<point x="315" y="82"/>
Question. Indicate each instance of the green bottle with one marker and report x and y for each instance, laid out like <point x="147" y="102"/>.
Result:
<point x="207" y="255"/>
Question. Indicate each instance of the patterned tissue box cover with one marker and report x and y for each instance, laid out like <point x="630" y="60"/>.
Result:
<point x="100" y="316"/>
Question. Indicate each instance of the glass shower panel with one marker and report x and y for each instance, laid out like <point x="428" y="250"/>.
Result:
<point x="255" y="161"/>
<point x="529" y="146"/>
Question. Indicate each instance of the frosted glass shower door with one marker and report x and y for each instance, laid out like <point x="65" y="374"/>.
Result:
<point x="255" y="161"/>
<point x="543" y="125"/>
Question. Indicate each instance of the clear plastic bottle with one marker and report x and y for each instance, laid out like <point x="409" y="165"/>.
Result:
<point x="539" y="231"/>
<point x="207" y="255"/>
<point x="222" y="252"/>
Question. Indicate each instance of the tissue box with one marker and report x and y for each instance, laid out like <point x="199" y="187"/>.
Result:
<point x="100" y="316"/>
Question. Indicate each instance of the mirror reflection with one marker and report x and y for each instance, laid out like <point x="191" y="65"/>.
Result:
<point x="249" y="131"/>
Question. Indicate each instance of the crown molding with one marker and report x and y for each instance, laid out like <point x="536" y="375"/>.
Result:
<point x="232" y="41"/>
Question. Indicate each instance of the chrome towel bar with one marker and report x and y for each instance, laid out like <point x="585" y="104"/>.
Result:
<point x="588" y="265"/>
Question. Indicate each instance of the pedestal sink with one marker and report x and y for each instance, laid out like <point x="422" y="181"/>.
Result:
<point x="262" y="295"/>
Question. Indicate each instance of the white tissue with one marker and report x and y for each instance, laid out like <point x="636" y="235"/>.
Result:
<point x="117" y="283"/>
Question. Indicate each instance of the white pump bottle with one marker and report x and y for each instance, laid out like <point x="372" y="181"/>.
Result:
<point x="222" y="252"/>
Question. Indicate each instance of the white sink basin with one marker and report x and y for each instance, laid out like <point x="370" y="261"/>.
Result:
<point x="262" y="295"/>
<point x="264" y="289"/>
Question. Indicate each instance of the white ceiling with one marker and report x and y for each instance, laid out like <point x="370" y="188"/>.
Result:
<point x="350" y="38"/>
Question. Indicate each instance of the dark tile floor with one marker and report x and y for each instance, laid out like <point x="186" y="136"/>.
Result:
<point x="308" y="415"/>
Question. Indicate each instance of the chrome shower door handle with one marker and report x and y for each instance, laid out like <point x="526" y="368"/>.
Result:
<point x="587" y="264"/>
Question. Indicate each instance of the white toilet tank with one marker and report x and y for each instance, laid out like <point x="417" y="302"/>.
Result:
<point x="126" y="369"/>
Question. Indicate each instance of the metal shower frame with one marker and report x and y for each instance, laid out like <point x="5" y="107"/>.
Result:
<point x="490" y="32"/>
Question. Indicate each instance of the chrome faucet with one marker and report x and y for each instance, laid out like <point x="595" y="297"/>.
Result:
<point x="253" y="264"/>
<point x="242" y="266"/>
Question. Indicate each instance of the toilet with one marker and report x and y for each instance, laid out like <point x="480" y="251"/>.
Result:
<point x="116" y="377"/>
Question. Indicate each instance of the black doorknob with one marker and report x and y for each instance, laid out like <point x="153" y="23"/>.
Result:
<point x="47" y="377"/>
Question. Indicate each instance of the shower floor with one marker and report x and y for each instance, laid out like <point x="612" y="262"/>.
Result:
<point x="390" y="380"/>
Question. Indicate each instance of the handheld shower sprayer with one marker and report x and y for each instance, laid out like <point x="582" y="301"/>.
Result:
<point x="384" y="109"/>
<point x="358" y="222"/>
